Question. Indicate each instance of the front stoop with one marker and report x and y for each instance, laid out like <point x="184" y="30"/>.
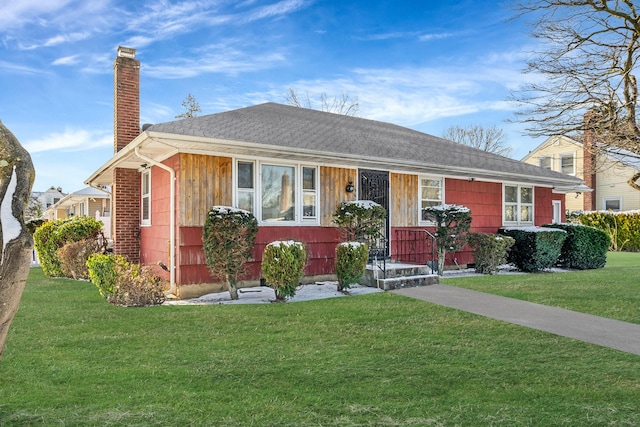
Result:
<point x="398" y="276"/>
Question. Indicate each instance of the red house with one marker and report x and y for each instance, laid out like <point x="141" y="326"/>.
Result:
<point x="292" y="167"/>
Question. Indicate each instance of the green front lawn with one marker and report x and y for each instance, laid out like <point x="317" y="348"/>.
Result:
<point x="612" y="291"/>
<point x="373" y="360"/>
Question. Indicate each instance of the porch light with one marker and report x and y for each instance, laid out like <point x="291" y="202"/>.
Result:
<point x="349" y="188"/>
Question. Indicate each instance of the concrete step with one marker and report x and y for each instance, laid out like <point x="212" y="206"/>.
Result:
<point x="392" y="283"/>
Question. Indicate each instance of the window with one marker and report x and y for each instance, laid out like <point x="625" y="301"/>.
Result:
<point x="245" y="185"/>
<point x="546" y="162"/>
<point x="82" y="209"/>
<point x="431" y="193"/>
<point x="518" y="204"/>
<point x="279" y="193"/>
<point x="567" y="164"/>
<point x="146" y="197"/>
<point x="613" y="204"/>
<point x="309" y="193"/>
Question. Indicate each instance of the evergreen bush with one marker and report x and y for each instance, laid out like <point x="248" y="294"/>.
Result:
<point x="351" y="261"/>
<point x="360" y="221"/>
<point x="584" y="248"/>
<point x="53" y="235"/>
<point x="535" y="248"/>
<point x="452" y="222"/>
<point x="123" y="283"/>
<point x="283" y="266"/>
<point x="623" y="228"/>
<point x="229" y="236"/>
<point x="491" y="251"/>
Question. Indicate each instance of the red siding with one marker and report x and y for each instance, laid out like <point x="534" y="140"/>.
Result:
<point x="320" y="242"/>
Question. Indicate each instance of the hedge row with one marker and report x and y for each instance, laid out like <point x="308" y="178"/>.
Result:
<point x="623" y="228"/>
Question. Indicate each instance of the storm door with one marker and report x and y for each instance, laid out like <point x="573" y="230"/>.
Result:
<point x="374" y="186"/>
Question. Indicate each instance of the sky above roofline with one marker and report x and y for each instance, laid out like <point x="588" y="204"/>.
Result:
<point x="423" y="65"/>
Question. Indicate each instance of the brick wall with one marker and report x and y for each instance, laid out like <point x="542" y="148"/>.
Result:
<point x="126" y="213"/>
<point x="589" y="163"/>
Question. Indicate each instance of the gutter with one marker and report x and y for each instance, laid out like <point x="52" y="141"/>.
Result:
<point x="172" y="219"/>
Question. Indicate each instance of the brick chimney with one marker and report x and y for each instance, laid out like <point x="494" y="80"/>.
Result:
<point x="126" y="182"/>
<point x="589" y="162"/>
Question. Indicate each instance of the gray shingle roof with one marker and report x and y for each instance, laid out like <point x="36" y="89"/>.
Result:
<point x="300" y="128"/>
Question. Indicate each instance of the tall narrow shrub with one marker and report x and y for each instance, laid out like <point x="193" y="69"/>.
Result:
<point x="283" y="266"/>
<point x="229" y="235"/>
<point x="351" y="261"/>
<point x="452" y="222"/>
<point x="491" y="251"/>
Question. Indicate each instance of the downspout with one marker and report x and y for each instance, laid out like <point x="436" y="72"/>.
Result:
<point x="172" y="218"/>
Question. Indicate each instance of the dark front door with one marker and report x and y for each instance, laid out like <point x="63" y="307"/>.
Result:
<point x="374" y="186"/>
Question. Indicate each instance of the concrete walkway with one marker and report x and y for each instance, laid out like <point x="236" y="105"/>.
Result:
<point x="610" y="333"/>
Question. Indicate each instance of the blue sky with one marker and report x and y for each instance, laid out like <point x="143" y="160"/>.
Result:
<point x="423" y="64"/>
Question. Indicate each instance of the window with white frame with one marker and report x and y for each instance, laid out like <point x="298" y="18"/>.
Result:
<point x="146" y="197"/>
<point x="82" y="209"/>
<point x="431" y="193"/>
<point x="518" y="204"/>
<point x="280" y="193"/>
<point x="546" y="162"/>
<point x="612" y="204"/>
<point x="245" y="186"/>
<point x="567" y="164"/>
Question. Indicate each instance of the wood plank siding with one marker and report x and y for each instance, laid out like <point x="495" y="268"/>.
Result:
<point x="404" y="200"/>
<point x="332" y="191"/>
<point x="205" y="181"/>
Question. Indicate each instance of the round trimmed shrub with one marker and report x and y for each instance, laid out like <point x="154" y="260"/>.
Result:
<point x="283" y="266"/>
<point x="351" y="261"/>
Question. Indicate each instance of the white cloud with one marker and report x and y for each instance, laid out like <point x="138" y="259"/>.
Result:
<point x="67" y="60"/>
<point x="70" y="140"/>
<point x="17" y="13"/>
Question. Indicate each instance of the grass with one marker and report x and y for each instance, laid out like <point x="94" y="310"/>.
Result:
<point x="613" y="291"/>
<point x="373" y="360"/>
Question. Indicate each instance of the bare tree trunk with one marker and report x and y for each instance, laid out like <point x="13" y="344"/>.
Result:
<point x="16" y="179"/>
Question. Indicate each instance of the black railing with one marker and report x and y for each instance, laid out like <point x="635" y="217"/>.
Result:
<point x="415" y="247"/>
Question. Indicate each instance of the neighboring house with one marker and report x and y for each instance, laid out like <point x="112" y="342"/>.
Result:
<point x="46" y="199"/>
<point x="607" y="177"/>
<point x="86" y="202"/>
<point x="292" y="167"/>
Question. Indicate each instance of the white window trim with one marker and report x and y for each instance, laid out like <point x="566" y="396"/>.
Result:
<point x="143" y="221"/>
<point x="299" y="218"/>
<point x="608" y="199"/>
<point x="420" y="178"/>
<point x="519" y="205"/>
<point x="563" y="155"/>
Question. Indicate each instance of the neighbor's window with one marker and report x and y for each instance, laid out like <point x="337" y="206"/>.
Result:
<point x="567" y="164"/>
<point x="613" y="204"/>
<point x="245" y="186"/>
<point x="146" y="197"/>
<point x="518" y="204"/>
<point x="546" y="162"/>
<point x="431" y="193"/>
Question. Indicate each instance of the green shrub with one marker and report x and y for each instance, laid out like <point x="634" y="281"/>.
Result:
<point x="282" y="267"/>
<point x="452" y="222"/>
<point x="535" y="248"/>
<point x="623" y="228"/>
<point x="123" y="283"/>
<point x="103" y="274"/>
<point x="584" y="248"/>
<point x="74" y="255"/>
<point x="491" y="251"/>
<point x="229" y="236"/>
<point x="360" y="220"/>
<point x="351" y="261"/>
<point x="53" y="235"/>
